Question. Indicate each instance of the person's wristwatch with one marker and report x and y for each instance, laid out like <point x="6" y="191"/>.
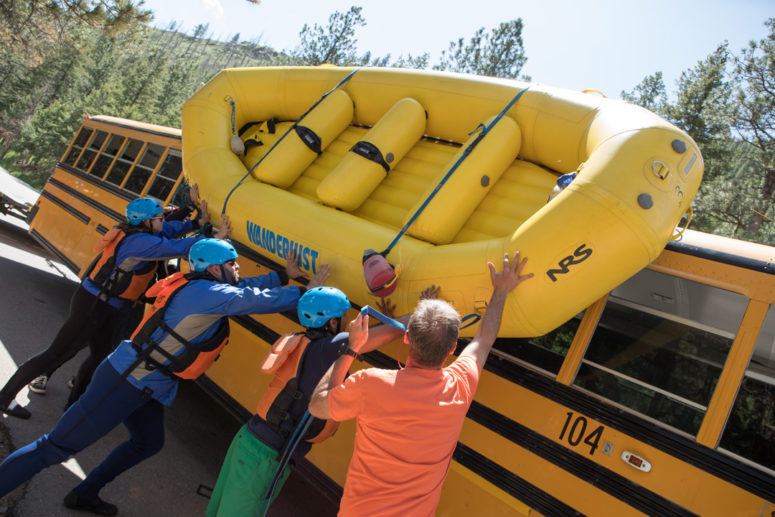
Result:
<point x="346" y="350"/>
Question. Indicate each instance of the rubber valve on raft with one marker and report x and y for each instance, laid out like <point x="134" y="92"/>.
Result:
<point x="381" y="276"/>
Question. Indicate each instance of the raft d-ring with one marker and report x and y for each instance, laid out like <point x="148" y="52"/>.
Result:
<point x="659" y="169"/>
<point x="595" y="91"/>
<point x="680" y="231"/>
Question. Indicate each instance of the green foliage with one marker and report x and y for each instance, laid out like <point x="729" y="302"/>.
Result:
<point x="334" y="44"/>
<point x="53" y="76"/>
<point x="701" y="107"/>
<point x="417" y="62"/>
<point x="734" y="132"/>
<point x="108" y="15"/>
<point x="753" y="118"/>
<point x="650" y="94"/>
<point x="497" y="53"/>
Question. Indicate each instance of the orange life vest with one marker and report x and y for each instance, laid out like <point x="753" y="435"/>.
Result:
<point x="110" y="278"/>
<point x="195" y="359"/>
<point x="284" y="360"/>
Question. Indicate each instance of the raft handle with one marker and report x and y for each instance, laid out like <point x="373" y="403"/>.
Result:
<point x="660" y="169"/>
<point x="681" y="231"/>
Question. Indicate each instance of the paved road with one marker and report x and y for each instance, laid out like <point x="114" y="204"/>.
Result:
<point x="35" y="292"/>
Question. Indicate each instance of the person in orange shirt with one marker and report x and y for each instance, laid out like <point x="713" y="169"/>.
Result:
<point x="408" y="420"/>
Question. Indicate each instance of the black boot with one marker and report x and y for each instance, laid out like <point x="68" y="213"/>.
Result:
<point x="96" y="505"/>
<point x="14" y="409"/>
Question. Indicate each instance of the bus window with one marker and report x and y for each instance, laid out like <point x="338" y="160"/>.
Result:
<point x="168" y="174"/>
<point x="107" y="155"/>
<point x="86" y="159"/>
<point x="124" y="162"/>
<point x="78" y="144"/>
<point x="660" y="347"/>
<point x="750" y="430"/>
<point x="547" y="352"/>
<point x="144" y="168"/>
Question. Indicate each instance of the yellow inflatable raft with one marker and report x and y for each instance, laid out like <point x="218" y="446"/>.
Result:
<point x="334" y="177"/>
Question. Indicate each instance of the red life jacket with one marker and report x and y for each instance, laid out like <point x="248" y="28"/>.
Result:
<point x="110" y="278"/>
<point x="284" y="360"/>
<point x="195" y="359"/>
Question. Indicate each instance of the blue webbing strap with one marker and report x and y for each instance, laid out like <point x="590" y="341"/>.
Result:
<point x="368" y="310"/>
<point x="465" y="154"/>
<point x="347" y="78"/>
<point x="298" y="434"/>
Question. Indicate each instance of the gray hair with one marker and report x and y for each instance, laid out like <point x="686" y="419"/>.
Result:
<point x="433" y="330"/>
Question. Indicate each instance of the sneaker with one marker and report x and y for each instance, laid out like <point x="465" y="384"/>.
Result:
<point x="38" y="385"/>
<point x="14" y="409"/>
<point x="96" y="505"/>
<point x="71" y="382"/>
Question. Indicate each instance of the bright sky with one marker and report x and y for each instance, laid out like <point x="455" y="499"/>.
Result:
<point x="606" y="45"/>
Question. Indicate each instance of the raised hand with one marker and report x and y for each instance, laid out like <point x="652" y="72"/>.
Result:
<point x="385" y="307"/>
<point x="511" y="275"/>
<point x="292" y="268"/>
<point x="225" y="228"/>
<point x="359" y="332"/>
<point x="204" y="215"/>
<point x="430" y="293"/>
<point x="320" y="277"/>
<point x="193" y="194"/>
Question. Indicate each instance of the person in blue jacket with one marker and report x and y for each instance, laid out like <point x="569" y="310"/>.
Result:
<point x="134" y="383"/>
<point x="122" y="272"/>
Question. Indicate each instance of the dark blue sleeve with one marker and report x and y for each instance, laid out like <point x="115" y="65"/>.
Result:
<point x="147" y="247"/>
<point x="230" y="300"/>
<point x="173" y="229"/>
<point x="331" y="352"/>
<point x="261" y="282"/>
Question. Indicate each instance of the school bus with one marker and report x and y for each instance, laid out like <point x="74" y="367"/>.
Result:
<point x="659" y="399"/>
<point x="109" y="162"/>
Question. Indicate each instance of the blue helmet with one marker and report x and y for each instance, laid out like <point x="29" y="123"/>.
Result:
<point x="208" y="252"/>
<point x="141" y="209"/>
<point x="320" y="304"/>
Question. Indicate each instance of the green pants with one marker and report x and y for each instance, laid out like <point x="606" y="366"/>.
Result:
<point x="245" y="476"/>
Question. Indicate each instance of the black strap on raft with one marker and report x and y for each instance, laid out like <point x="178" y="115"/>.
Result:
<point x="252" y="142"/>
<point x="228" y="196"/>
<point x="310" y="138"/>
<point x="271" y="125"/>
<point x="466" y="152"/>
<point x="370" y="152"/>
<point x="246" y="126"/>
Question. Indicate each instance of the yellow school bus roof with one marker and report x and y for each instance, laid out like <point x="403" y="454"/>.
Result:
<point x="134" y="124"/>
<point x="718" y="243"/>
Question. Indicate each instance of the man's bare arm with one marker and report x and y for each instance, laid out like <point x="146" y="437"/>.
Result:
<point x="503" y="283"/>
<point x="359" y="336"/>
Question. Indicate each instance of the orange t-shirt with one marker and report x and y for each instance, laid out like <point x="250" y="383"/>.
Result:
<point x="408" y="424"/>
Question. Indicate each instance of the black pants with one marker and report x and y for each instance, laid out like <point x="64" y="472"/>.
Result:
<point x="90" y="323"/>
<point x="125" y="320"/>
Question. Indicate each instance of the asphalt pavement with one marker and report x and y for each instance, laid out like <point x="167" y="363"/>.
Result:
<point x="34" y="298"/>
